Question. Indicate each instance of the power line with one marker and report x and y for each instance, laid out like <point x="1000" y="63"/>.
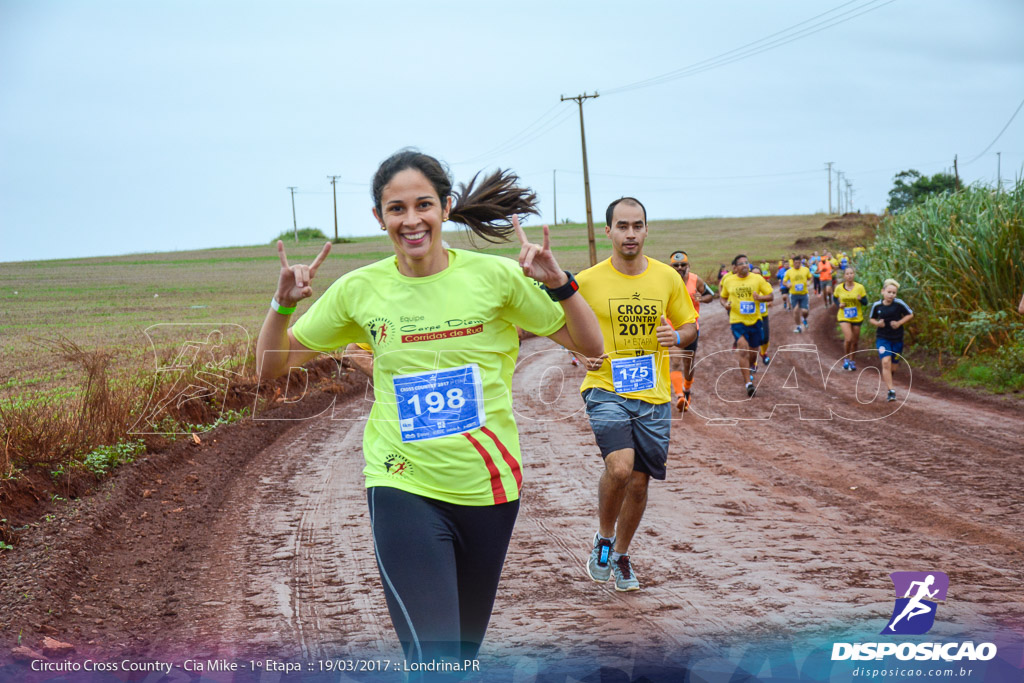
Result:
<point x="1017" y="111"/>
<point x="512" y="140"/>
<point x="728" y="177"/>
<point x="748" y="50"/>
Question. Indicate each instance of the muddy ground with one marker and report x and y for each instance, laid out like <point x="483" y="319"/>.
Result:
<point x="778" y="518"/>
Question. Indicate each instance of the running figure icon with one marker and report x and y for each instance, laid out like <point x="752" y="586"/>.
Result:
<point x="917" y="595"/>
<point x="915" y="607"/>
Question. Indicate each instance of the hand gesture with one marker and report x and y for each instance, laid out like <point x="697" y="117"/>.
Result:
<point x="666" y="333"/>
<point x="592" y="364"/>
<point x="293" y="284"/>
<point x="537" y="261"/>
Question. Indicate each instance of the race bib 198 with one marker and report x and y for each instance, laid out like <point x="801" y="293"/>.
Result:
<point x="798" y="288"/>
<point x="747" y="307"/>
<point x="850" y="312"/>
<point x="633" y="374"/>
<point x="439" y="403"/>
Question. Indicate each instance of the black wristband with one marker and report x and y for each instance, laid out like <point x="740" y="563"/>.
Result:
<point x="565" y="291"/>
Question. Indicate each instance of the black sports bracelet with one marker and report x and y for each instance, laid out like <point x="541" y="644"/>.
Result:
<point x="565" y="291"/>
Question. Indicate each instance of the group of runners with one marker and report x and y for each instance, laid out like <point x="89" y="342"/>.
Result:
<point x="436" y="329"/>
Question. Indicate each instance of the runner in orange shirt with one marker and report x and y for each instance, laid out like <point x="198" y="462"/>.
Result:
<point x="682" y="359"/>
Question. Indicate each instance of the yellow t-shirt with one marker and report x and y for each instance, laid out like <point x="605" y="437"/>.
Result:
<point x="444" y="349"/>
<point x="629" y="310"/>
<point x="797" y="278"/>
<point x="740" y="293"/>
<point x="851" y="310"/>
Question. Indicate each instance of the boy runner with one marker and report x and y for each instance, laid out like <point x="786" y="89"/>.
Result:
<point x="889" y="315"/>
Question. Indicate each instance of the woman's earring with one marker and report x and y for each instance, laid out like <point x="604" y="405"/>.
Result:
<point x="383" y="228"/>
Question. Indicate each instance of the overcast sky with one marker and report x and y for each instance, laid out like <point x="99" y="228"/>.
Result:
<point x="145" y="126"/>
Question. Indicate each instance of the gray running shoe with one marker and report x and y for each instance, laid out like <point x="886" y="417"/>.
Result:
<point x="625" y="579"/>
<point x="599" y="566"/>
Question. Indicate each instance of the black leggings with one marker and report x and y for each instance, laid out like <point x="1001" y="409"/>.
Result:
<point x="439" y="564"/>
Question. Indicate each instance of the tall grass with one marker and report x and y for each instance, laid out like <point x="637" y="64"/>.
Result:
<point x="959" y="259"/>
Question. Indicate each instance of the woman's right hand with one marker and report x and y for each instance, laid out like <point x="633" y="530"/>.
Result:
<point x="293" y="285"/>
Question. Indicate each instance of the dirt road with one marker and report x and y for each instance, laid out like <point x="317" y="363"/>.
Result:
<point x="769" y="525"/>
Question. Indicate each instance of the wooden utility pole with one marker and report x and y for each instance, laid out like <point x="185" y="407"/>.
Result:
<point x="295" y="225"/>
<point x="554" y="192"/>
<point x="334" y="191"/>
<point x="829" y="163"/>
<point x="839" y="191"/>
<point x="956" y="173"/>
<point x="586" y="175"/>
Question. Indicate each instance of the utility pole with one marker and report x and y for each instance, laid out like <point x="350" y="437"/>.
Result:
<point x="956" y="173"/>
<point x="839" y="191"/>
<point x="295" y="225"/>
<point x="586" y="175"/>
<point x="334" y="191"/>
<point x="999" y="171"/>
<point x="554" y="192"/>
<point x="849" y="195"/>
<point x="829" y="163"/>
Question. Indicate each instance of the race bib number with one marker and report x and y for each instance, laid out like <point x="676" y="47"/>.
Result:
<point x="439" y="403"/>
<point x="633" y="374"/>
<point x="850" y="312"/>
<point x="747" y="307"/>
<point x="799" y="289"/>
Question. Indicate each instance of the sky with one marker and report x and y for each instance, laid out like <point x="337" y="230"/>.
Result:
<point x="154" y="126"/>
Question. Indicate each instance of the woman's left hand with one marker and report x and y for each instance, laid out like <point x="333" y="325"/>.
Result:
<point x="537" y="261"/>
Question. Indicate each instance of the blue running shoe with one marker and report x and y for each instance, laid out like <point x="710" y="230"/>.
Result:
<point x="766" y="359"/>
<point x="846" y="364"/>
<point x="852" y="367"/>
<point x="599" y="566"/>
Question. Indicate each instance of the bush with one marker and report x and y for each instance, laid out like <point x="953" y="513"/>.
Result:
<point x="957" y="258"/>
<point x="304" y="235"/>
<point x="106" y="458"/>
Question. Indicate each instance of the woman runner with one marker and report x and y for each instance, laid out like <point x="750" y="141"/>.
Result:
<point x="443" y="466"/>
<point x="852" y="298"/>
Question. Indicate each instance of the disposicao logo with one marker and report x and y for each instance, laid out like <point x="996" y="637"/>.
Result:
<point x="917" y="598"/>
<point x="917" y="595"/>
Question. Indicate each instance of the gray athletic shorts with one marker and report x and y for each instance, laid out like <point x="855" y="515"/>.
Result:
<point x="620" y="423"/>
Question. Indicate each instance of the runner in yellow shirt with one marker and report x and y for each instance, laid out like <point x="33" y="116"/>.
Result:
<point x="851" y="298"/>
<point x="741" y="293"/>
<point x="798" y="279"/>
<point x="765" y="328"/>
<point x="644" y="310"/>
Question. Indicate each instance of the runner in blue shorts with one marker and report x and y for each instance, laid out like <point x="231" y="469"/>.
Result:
<point x="741" y="293"/>
<point x="889" y="315"/>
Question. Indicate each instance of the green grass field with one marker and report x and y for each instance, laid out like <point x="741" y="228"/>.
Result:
<point x="109" y="302"/>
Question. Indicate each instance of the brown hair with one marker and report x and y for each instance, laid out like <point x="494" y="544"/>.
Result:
<point x="485" y="208"/>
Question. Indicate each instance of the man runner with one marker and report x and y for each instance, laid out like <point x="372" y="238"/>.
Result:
<point x="682" y="361"/>
<point x="825" y="275"/>
<point x="626" y="390"/>
<point x="798" y="279"/>
<point x="741" y="293"/>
